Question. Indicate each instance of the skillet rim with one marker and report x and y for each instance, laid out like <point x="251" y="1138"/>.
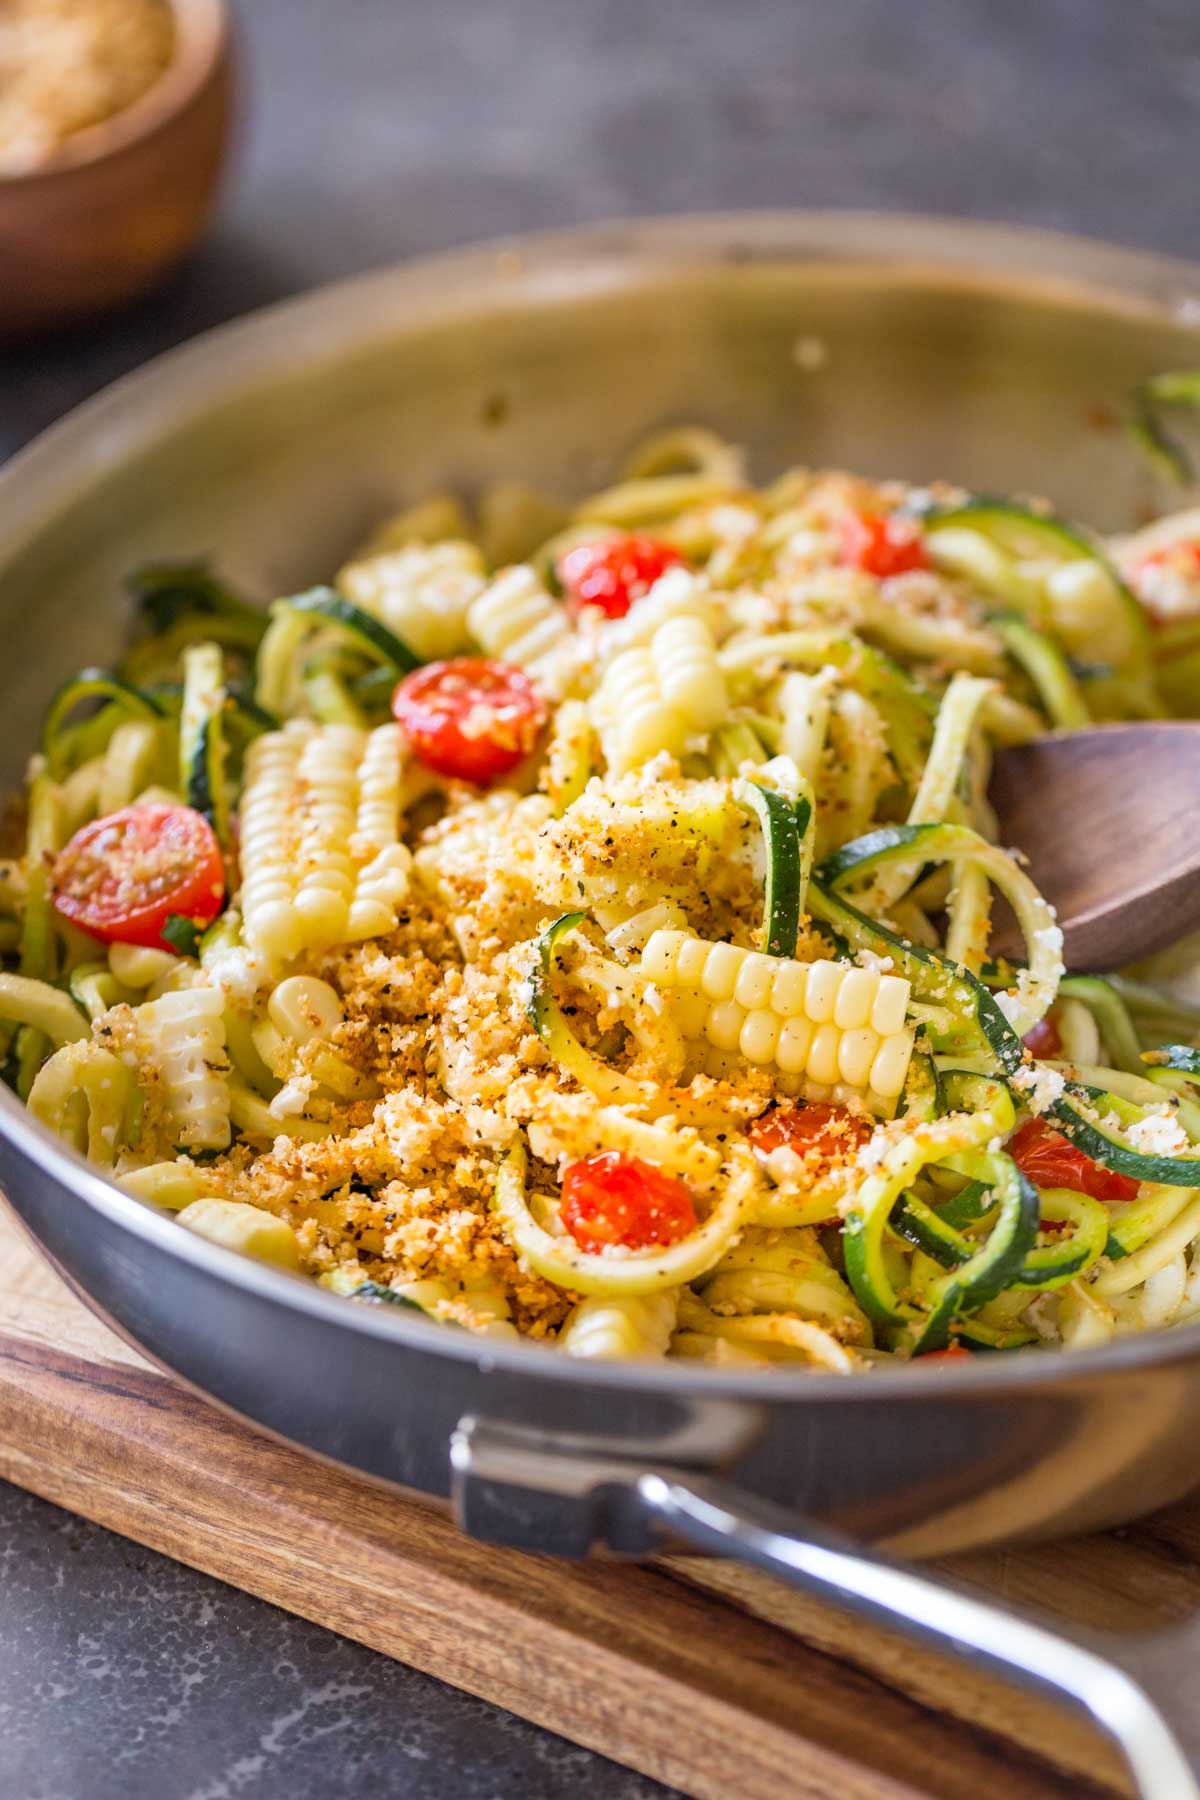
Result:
<point x="1056" y="268"/>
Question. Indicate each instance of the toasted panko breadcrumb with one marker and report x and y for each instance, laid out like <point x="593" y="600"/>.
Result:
<point x="405" y="1194"/>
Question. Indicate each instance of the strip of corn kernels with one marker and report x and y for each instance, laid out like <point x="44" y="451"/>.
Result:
<point x="833" y="1023"/>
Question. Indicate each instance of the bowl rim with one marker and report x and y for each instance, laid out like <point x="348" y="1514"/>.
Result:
<point x="203" y="33"/>
<point x="1056" y="267"/>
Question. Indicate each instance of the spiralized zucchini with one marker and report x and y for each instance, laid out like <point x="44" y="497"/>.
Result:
<point x="651" y="1008"/>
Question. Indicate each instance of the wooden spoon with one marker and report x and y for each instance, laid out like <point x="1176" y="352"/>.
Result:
<point x="1109" y="820"/>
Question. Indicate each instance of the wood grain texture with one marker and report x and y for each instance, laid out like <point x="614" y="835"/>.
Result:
<point x="698" y="1673"/>
<point x="1137" y="787"/>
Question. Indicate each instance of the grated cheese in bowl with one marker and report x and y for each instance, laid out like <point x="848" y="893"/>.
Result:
<point x="66" y="65"/>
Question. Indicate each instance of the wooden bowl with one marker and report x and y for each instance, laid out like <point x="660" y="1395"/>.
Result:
<point x="123" y="200"/>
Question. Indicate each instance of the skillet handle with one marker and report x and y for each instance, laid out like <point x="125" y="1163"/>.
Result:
<point x="717" y="1518"/>
<point x="549" y="1493"/>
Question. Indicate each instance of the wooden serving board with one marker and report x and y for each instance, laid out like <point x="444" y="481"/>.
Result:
<point x="708" y="1677"/>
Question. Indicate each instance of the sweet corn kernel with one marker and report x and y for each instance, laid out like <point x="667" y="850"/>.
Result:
<point x="690" y="960"/>
<point x="754" y="980"/>
<point x="515" y="618"/>
<point x="820" y="1024"/>
<point x="822" y="1062"/>
<point x="820" y="996"/>
<point x="725" y="1023"/>
<point x="324" y="915"/>
<point x="789" y="989"/>
<point x="852" y="1007"/>
<point x="321" y="857"/>
<point x="890" y="1066"/>
<point x="661" y="954"/>
<point x="303" y="1007"/>
<point x="890" y="1005"/>
<point x="657" y="697"/>
<point x="856" y="1053"/>
<point x="689" y="676"/>
<point x="760" y="1035"/>
<point x="791" y="1052"/>
<point x="722" y="966"/>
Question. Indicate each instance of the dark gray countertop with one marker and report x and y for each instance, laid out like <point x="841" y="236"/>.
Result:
<point x="377" y="130"/>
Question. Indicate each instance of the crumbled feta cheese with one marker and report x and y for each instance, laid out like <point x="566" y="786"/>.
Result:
<point x="872" y="1153"/>
<point x="867" y="959"/>
<point x="241" y="974"/>
<point x="487" y="1127"/>
<point x="1039" y="1086"/>
<point x="1158" y="1134"/>
<point x="1009" y="1004"/>
<point x="784" y="1167"/>
<point x="292" y="1097"/>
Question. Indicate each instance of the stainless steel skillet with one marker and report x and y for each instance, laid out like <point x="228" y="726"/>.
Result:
<point x="892" y="345"/>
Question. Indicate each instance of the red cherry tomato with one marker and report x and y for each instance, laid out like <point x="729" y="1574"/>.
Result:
<point x="1049" y="1160"/>
<point x="612" y="1199"/>
<point x="613" y="575"/>
<point x="470" y="718"/>
<point x="882" y="545"/>
<point x="1044" y="1040"/>
<point x="1165" y="577"/>
<point x="121" y="877"/>
<point x="1185" y="556"/>
<point x="954" y="1353"/>
<point x="828" y="1130"/>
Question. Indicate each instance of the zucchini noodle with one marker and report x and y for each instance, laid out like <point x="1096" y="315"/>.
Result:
<point x="597" y="940"/>
<point x="639" y="1272"/>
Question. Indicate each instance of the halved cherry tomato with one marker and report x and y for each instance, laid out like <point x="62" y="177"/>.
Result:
<point x="882" y="545"/>
<point x="613" y="575"/>
<point x="1167" y="581"/>
<point x="1049" y="1160"/>
<point x="828" y="1130"/>
<point x="610" y="1199"/>
<point x="1184" y="556"/>
<point x="1044" y="1040"/>
<point x="953" y="1353"/>
<point x="470" y="718"/>
<point x="121" y="877"/>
